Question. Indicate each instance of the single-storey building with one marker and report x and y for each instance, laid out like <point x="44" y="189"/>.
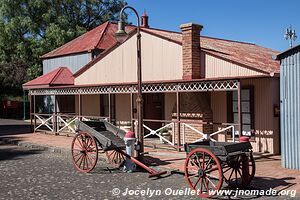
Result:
<point x="193" y="85"/>
<point x="290" y="107"/>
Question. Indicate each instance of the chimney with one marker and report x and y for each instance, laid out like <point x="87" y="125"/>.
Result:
<point x="191" y="58"/>
<point x="144" y="19"/>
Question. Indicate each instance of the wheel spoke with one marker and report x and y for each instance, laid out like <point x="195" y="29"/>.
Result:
<point x="201" y="181"/>
<point x="203" y="160"/>
<point x="197" y="182"/>
<point x="90" y="143"/>
<point x="239" y="172"/>
<point x="236" y="178"/>
<point x="226" y="166"/>
<point x="78" y="145"/>
<point x="81" y="161"/>
<point x="212" y="176"/>
<point x="78" y="158"/>
<point x="212" y="169"/>
<point x="211" y="183"/>
<point x="231" y="174"/>
<point x="206" y="185"/>
<point x="192" y="161"/>
<point x="82" y="141"/>
<point x="79" y="142"/>
<point x="194" y="175"/>
<point x="90" y="161"/>
<point x="198" y="159"/>
<point x="79" y="153"/>
<point x="209" y="161"/>
<point x="226" y="170"/>
<point x="83" y="164"/>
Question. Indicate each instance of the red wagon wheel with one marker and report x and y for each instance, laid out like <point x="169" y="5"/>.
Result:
<point x="203" y="172"/>
<point x="115" y="158"/>
<point x="239" y="171"/>
<point x="84" y="152"/>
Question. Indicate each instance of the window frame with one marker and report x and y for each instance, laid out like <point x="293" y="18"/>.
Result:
<point x="230" y="113"/>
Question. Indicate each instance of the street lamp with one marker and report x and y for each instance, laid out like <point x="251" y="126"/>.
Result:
<point x="121" y="35"/>
<point x="290" y="34"/>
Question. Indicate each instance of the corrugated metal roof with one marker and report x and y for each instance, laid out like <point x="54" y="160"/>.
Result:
<point x="101" y="37"/>
<point x="282" y="54"/>
<point x="59" y="76"/>
<point x="246" y="54"/>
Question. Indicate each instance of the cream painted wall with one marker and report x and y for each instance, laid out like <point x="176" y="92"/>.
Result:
<point x="266" y="125"/>
<point x="216" y="68"/>
<point x="161" y="60"/>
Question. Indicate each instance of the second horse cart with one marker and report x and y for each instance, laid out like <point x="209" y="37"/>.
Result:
<point x="208" y="165"/>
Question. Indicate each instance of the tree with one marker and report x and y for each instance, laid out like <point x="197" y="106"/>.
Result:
<point x="30" y="28"/>
<point x="12" y="75"/>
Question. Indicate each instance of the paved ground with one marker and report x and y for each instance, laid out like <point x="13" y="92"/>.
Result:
<point x="32" y="173"/>
<point x="9" y="126"/>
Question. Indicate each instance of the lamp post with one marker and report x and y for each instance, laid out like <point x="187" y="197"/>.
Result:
<point x="290" y="35"/>
<point x="121" y="35"/>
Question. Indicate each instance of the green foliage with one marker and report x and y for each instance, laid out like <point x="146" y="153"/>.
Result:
<point x="31" y="28"/>
<point x="12" y="75"/>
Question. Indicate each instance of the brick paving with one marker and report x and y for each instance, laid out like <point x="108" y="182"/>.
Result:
<point x="269" y="173"/>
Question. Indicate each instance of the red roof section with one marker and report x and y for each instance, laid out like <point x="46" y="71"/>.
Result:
<point x="59" y="76"/>
<point x="247" y="54"/>
<point x="101" y="37"/>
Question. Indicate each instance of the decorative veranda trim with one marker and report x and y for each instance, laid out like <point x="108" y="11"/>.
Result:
<point x="203" y="86"/>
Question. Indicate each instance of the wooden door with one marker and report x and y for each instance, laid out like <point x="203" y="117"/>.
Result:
<point x="153" y="109"/>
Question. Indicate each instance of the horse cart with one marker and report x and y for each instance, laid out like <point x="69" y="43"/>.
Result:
<point x="209" y="164"/>
<point x="95" y="137"/>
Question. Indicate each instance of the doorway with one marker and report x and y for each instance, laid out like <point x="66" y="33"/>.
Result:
<point x="153" y="109"/>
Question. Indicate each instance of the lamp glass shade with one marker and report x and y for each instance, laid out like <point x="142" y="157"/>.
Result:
<point x="121" y="34"/>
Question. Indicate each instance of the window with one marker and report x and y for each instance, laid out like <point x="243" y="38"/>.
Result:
<point x="247" y="110"/>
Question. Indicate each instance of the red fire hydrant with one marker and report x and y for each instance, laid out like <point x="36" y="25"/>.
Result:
<point x="129" y="140"/>
<point x="244" y="139"/>
<point x="245" y="162"/>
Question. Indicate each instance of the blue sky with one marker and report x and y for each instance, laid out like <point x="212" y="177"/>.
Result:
<point x="262" y="22"/>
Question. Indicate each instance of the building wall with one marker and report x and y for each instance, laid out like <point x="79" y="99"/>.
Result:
<point x="161" y="60"/>
<point x="217" y="68"/>
<point x="123" y="107"/>
<point x="170" y="102"/>
<point x="219" y="108"/>
<point x="73" y="62"/>
<point x="90" y="105"/>
<point x="290" y="109"/>
<point x="266" y="139"/>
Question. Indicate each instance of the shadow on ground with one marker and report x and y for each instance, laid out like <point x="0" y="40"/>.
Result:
<point x="15" y="129"/>
<point x="10" y="152"/>
<point x="268" y="182"/>
<point x="153" y="161"/>
<point x="259" y="187"/>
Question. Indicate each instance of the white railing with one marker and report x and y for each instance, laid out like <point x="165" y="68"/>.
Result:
<point x="205" y="136"/>
<point x="223" y="130"/>
<point x="158" y="133"/>
<point x="66" y="122"/>
<point x="89" y="118"/>
<point x="45" y="120"/>
<point x="59" y="122"/>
